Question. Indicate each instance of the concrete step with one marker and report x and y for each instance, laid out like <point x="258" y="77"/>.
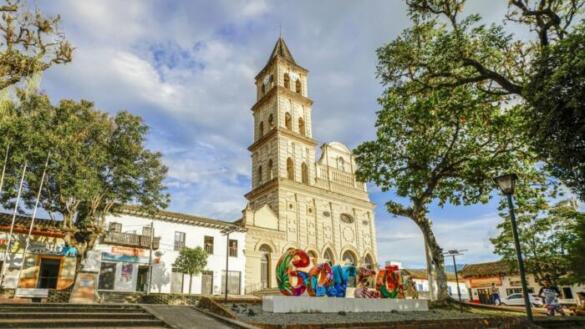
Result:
<point x="80" y="323"/>
<point x="73" y="309"/>
<point x="76" y="315"/>
<point x="45" y="305"/>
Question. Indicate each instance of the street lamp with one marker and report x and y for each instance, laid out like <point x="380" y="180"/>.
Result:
<point x="227" y="232"/>
<point x="453" y="253"/>
<point x="507" y="184"/>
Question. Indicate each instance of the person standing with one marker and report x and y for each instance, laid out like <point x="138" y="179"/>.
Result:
<point x="495" y="295"/>
<point x="550" y="294"/>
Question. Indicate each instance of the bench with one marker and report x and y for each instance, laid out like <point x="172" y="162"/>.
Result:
<point x="31" y="293"/>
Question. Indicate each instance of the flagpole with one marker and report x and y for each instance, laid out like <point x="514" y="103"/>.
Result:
<point x="34" y="216"/>
<point x="8" y="244"/>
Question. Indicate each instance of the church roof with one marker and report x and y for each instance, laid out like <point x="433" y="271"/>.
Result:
<point x="280" y="49"/>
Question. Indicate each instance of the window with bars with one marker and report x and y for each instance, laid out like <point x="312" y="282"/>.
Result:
<point x="179" y="240"/>
<point x="115" y="227"/>
<point x="233" y="248"/>
<point x="208" y="244"/>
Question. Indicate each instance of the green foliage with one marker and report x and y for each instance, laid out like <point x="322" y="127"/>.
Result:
<point x="576" y="252"/>
<point x="31" y="43"/>
<point x="545" y="231"/>
<point x="557" y="95"/>
<point x="442" y="145"/>
<point x="191" y="260"/>
<point x="96" y="162"/>
<point x="542" y="76"/>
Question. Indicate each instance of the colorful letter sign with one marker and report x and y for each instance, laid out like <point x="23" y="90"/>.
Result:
<point x="326" y="279"/>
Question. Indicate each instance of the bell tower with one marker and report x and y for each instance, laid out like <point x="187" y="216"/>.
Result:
<point x="283" y="147"/>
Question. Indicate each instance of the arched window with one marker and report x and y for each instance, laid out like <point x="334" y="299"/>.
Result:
<point x="298" y="86"/>
<point x="288" y="121"/>
<point x="286" y="81"/>
<point x="302" y="126"/>
<point x="259" y="175"/>
<point x="312" y="257"/>
<point x="270" y="169"/>
<point x="266" y="252"/>
<point x="263" y="88"/>
<point x="328" y="255"/>
<point x="305" y="173"/>
<point x="270" y="80"/>
<point x="290" y="169"/>
<point x="369" y="262"/>
<point x="341" y="164"/>
<point x="261" y="129"/>
<point x="271" y="120"/>
<point x="349" y="257"/>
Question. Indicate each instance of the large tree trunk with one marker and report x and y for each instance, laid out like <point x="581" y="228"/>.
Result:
<point x="190" y="282"/>
<point x="437" y="259"/>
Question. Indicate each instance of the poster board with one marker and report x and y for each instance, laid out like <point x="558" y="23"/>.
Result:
<point x="85" y="288"/>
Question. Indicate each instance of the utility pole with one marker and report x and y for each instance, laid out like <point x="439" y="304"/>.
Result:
<point x="150" y="257"/>
<point x="453" y="253"/>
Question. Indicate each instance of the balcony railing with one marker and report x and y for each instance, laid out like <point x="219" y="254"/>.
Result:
<point x="130" y="240"/>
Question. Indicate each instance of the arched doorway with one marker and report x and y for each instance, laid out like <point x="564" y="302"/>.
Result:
<point x="313" y="257"/>
<point x="265" y="260"/>
<point x="348" y="258"/>
<point x="328" y="255"/>
<point x="368" y="262"/>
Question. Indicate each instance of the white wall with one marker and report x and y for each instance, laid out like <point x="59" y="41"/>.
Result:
<point x="194" y="235"/>
<point x="452" y="285"/>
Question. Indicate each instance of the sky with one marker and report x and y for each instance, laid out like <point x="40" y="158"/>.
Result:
<point x="187" y="67"/>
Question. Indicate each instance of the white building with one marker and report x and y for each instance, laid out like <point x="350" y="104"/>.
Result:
<point x="125" y="253"/>
<point x="422" y="284"/>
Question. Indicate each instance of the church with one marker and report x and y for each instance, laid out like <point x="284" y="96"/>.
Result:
<point x="297" y="201"/>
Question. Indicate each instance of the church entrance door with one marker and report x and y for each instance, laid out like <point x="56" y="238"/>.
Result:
<point x="264" y="271"/>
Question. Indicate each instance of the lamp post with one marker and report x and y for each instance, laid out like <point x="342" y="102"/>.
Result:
<point x="227" y="232"/>
<point x="453" y="253"/>
<point x="507" y="183"/>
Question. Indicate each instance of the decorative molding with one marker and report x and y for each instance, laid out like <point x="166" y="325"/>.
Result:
<point x="281" y="91"/>
<point x="279" y="60"/>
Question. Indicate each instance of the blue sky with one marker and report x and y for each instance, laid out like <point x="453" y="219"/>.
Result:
<point x="187" y="67"/>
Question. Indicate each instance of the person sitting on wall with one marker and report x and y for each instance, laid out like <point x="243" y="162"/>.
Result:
<point x="495" y="295"/>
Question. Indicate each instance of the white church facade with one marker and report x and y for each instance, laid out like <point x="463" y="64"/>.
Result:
<point x="298" y="201"/>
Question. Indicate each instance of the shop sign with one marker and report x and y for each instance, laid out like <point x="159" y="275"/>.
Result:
<point x="485" y="282"/>
<point x="128" y="251"/>
<point x="106" y="256"/>
<point x="45" y="248"/>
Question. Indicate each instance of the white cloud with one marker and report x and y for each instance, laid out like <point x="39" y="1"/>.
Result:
<point x="187" y="67"/>
<point x="399" y="239"/>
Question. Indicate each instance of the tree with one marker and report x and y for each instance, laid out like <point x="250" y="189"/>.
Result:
<point x="444" y="146"/>
<point x="191" y="261"/>
<point x="31" y="43"/>
<point x="534" y="74"/>
<point x="96" y="162"/>
<point x="576" y="252"/>
<point x="557" y="97"/>
<point x="545" y="231"/>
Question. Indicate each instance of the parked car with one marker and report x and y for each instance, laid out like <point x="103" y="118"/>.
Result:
<point x="518" y="300"/>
